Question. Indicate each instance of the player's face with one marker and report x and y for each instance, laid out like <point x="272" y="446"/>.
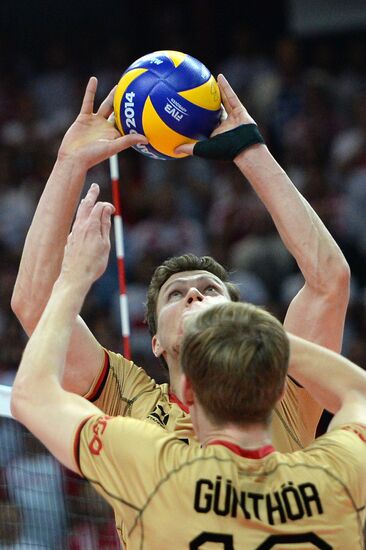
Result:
<point x="182" y="294"/>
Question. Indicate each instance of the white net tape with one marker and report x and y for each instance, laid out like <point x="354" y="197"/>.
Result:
<point x="5" y="392"/>
<point x="43" y="505"/>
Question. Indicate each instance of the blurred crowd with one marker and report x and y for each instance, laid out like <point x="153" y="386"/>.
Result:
<point x="309" y="100"/>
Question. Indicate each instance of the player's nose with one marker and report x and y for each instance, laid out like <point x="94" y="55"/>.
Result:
<point x="194" y="295"/>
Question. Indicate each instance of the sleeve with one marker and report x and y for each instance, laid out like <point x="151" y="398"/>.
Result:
<point x="296" y="418"/>
<point x="121" y="457"/>
<point x="345" y="447"/>
<point x="123" y="388"/>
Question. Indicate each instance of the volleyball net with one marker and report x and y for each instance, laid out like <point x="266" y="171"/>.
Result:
<point x="42" y="504"/>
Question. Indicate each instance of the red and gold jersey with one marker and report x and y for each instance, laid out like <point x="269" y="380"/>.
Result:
<point x="124" y="389"/>
<point x="167" y="494"/>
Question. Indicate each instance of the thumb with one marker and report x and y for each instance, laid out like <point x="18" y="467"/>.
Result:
<point x="108" y="210"/>
<point x="186" y="149"/>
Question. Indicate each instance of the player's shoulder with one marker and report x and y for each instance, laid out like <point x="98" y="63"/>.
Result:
<point x="153" y="444"/>
<point x="132" y="374"/>
<point x="352" y="432"/>
<point x="112" y="431"/>
<point x="117" y="360"/>
<point x="346" y="442"/>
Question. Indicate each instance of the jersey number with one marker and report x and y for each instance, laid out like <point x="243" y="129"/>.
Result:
<point x="219" y="538"/>
<point x="271" y="542"/>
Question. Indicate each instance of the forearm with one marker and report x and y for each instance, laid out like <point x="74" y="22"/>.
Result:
<point x="45" y="354"/>
<point x="300" y="228"/>
<point x="329" y="377"/>
<point x="44" y="246"/>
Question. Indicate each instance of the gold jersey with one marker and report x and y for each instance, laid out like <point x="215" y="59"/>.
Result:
<point x="124" y="389"/>
<point x="170" y="495"/>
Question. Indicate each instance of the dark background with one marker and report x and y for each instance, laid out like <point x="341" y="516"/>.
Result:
<point x="88" y="26"/>
<point x="89" y="30"/>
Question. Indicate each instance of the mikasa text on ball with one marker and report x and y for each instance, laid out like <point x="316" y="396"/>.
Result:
<point x="171" y="98"/>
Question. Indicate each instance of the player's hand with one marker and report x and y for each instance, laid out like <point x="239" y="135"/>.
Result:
<point x="93" y="138"/>
<point x="88" y="245"/>
<point x="234" y="114"/>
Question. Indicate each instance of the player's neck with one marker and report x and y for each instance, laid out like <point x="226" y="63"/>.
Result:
<point x="251" y="437"/>
<point x="175" y="378"/>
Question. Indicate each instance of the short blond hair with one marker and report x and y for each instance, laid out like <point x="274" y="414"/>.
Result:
<point x="236" y="357"/>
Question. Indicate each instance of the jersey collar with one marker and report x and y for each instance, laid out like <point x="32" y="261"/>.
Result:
<point x="247" y="453"/>
<point x="174" y="399"/>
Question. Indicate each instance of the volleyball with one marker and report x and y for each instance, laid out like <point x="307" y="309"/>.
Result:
<point x="171" y="98"/>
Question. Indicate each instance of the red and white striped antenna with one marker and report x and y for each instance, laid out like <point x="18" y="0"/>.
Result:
<point x="120" y="253"/>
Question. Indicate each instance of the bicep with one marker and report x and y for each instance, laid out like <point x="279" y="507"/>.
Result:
<point x="318" y="317"/>
<point x="353" y="410"/>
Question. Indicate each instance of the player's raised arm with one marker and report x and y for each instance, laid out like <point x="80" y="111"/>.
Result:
<point x="317" y="313"/>
<point x="38" y="400"/>
<point x="335" y="382"/>
<point x="90" y="140"/>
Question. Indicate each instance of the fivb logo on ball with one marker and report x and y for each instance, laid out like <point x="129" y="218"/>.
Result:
<point x="171" y="98"/>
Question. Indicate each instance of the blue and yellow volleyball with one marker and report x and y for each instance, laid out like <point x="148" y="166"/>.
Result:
<point x="171" y="98"/>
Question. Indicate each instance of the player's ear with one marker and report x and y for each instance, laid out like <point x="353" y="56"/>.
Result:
<point x="156" y="346"/>
<point x="187" y="391"/>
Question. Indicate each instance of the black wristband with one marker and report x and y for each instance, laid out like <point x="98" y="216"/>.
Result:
<point x="228" y="145"/>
